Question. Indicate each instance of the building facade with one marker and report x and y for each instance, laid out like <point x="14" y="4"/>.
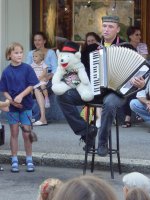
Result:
<point x="15" y="25"/>
<point x="62" y="19"/>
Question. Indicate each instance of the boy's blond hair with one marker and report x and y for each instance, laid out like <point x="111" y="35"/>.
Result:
<point x="11" y="48"/>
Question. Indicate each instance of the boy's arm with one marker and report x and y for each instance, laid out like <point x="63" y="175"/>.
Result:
<point x="7" y="96"/>
<point x="24" y="93"/>
<point x="11" y="101"/>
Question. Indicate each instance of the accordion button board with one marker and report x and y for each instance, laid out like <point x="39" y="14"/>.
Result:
<point x="94" y="72"/>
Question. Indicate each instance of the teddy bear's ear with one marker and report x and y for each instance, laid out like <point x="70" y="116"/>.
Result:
<point x="78" y="54"/>
<point x="57" y="52"/>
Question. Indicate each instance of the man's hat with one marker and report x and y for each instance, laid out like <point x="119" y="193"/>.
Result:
<point x="70" y="47"/>
<point x="110" y="18"/>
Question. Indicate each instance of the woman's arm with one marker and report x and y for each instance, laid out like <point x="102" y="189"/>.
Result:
<point x="51" y="61"/>
<point x="145" y="101"/>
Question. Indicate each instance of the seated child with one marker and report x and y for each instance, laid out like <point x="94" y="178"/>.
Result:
<point x="40" y="69"/>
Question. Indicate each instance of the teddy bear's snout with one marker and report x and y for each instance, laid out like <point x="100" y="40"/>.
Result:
<point x="62" y="60"/>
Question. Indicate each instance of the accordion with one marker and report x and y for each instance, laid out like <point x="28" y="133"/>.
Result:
<point x="113" y="67"/>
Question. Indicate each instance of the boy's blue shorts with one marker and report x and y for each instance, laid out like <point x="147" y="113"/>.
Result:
<point x="23" y="117"/>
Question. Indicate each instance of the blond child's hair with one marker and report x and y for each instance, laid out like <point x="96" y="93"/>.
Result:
<point x="40" y="53"/>
<point x="11" y="48"/>
<point x="85" y="188"/>
<point x="137" y="194"/>
<point x="48" y="189"/>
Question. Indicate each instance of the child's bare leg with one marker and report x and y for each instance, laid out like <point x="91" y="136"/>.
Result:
<point x="14" y="128"/>
<point x="14" y="139"/>
<point x="28" y="149"/>
<point x="44" y="90"/>
<point x="27" y="143"/>
<point x="45" y="93"/>
<point x="41" y="103"/>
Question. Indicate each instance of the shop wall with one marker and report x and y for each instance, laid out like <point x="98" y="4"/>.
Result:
<point x="15" y="23"/>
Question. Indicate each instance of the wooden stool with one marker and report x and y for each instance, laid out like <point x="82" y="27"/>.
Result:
<point x="111" y="150"/>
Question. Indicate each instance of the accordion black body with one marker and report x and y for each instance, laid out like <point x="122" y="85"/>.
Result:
<point x="113" y="67"/>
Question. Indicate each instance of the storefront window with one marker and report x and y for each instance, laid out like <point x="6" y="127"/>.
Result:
<point x="72" y="19"/>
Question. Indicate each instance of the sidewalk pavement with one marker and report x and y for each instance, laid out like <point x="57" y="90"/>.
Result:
<point x="58" y="146"/>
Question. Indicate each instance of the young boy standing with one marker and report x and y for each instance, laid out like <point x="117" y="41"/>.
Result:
<point x="17" y="82"/>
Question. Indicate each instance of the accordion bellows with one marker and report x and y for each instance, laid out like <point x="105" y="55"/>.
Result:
<point x="113" y="67"/>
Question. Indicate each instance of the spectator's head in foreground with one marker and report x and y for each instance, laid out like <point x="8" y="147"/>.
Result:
<point x="137" y="194"/>
<point x="48" y="189"/>
<point x="135" y="180"/>
<point x="85" y="188"/>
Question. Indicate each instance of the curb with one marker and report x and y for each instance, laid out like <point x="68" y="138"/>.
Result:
<point x="77" y="161"/>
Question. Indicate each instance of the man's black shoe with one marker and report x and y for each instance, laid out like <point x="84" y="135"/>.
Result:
<point x="92" y="131"/>
<point x="91" y="138"/>
<point x="102" y="150"/>
<point x="89" y="145"/>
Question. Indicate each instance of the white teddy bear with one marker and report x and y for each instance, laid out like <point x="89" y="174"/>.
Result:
<point x="71" y="73"/>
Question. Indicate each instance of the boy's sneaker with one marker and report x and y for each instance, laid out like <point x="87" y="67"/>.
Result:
<point x="14" y="167"/>
<point x="47" y="103"/>
<point x="30" y="166"/>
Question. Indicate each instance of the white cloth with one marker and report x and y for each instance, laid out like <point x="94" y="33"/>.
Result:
<point x="38" y="68"/>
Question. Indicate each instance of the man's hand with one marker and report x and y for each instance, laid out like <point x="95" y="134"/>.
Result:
<point x="138" y="82"/>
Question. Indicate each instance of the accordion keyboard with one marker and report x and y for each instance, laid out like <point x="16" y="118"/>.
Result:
<point x="94" y="72"/>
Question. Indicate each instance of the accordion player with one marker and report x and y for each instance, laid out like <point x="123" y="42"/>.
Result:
<point x="113" y="67"/>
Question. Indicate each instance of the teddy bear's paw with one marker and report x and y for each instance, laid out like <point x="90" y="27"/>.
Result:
<point x="60" y="88"/>
<point x="57" y="90"/>
<point x="87" y="97"/>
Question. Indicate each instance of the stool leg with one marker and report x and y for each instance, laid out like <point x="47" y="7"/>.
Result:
<point x="86" y="149"/>
<point x="110" y="156"/>
<point x="93" y="159"/>
<point x="93" y="150"/>
<point x="117" y="143"/>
